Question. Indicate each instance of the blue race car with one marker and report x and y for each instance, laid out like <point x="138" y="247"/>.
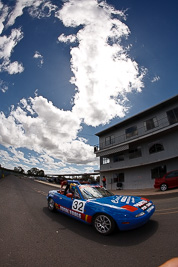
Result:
<point x="95" y="205"/>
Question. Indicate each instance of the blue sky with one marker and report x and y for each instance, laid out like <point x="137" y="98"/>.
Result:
<point x="69" y="69"/>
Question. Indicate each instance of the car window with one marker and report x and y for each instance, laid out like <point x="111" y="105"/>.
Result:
<point x="89" y="192"/>
<point x="172" y="174"/>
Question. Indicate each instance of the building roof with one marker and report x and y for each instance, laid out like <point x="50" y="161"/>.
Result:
<point x="139" y="115"/>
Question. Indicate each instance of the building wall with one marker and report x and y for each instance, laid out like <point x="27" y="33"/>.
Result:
<point x="119" y="132"/>
<point x="138" y="171"/>
<point x="138" y="177"/>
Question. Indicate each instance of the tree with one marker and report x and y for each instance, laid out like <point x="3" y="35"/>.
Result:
<point x="18" y="169"/>
<point x="35" y="172"/>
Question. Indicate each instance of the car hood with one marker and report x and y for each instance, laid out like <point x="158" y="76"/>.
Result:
<point x="125" y="202"/>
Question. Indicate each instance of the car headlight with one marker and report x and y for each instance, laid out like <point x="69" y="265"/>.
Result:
<point x="140" y="214"/>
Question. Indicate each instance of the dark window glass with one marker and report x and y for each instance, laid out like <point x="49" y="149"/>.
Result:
<point x="132" y="131"/>
<point x="135" y="153"/>
<point x="109" y="140"/>
<point x="172" y="174"/>
<point x="158" y="172"/>
<point x="156" y="148"/>
<point x="119" y="177"/>
<point x="150" y="124"/>
<point x="118" y="157"/>
<point x="172" y="115"/>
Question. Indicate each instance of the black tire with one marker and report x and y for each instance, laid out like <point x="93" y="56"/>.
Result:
<point x="163" y="187"/>
<point x="104" y="224"/>
<point x="51" y="204"/>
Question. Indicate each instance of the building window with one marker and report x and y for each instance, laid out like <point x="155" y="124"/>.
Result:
<point x="105" y="161"/>
<point x="135" y="152"/>
<point x="158" y="172"/>
<point x="156" y="148"/>
<point x="109" y="140"/>
<point x="150" y="124"/>
<point x="172" y="116"/>
<point x="118" y="157"/>
<point x="132" y="131"/>
<point x="119" y="177"/>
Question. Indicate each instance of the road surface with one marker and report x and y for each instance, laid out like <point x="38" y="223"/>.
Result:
<point x="30" y="235"/>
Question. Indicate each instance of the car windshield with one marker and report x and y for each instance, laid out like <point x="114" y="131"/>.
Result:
<point x="89" y="192"/>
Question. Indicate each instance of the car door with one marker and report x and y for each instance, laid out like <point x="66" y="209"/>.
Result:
<point x="171" y="179"/>
<point x="64" y="201"/>
<point x="72" y="206"/>
<point x="78" y="203"/>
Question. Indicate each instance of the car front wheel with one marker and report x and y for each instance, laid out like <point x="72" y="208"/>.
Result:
<point x="163" y="187"/>
<point x="51" y="204"/>
<point x="104" y="224"/>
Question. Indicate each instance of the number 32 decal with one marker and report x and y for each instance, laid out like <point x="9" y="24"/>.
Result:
<point x="78" y="205"/>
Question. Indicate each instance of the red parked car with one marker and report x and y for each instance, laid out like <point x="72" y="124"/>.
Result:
<point x="169" y="180"/>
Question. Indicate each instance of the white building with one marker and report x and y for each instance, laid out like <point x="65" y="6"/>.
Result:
<point x="140" y="148"/>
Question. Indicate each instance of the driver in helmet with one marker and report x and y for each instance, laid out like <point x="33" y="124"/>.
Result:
<point x="70" y="187"/>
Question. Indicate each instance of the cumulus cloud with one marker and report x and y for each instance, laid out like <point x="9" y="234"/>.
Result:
<point x="18" y="9"/>
<point x="70" y="38"/>
<point x="40" y="126"/>
<point x="8" y="15"/>
<point x="103" y="75"/>
<point x="3" y="15"/>
<point x="103" y="71"/>
<point x="7" y="44"/>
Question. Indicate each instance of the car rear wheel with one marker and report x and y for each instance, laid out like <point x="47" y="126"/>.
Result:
<point x="163" y="187"/>
<point x="104" y="224"/>
<point x="51" y="204"/>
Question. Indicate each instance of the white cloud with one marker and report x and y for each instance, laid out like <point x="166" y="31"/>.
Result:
<point x="70" y="38"/>
<point x="18" y="9"/>
<point x="155" y="79"/>
<point x="7" y="45"/>
<point x="3" y="86"/>
<point x="45" y="10"/>
<point x="36" y="8"/>
<point x="103" y="74"/>
<point x="38" y="56"/>
<point x="40" y="126"/>
<point x="103" y="71"/>
<point x="3" y="15"/>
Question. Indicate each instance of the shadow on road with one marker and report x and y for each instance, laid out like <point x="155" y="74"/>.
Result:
<point x="118" y="238"/>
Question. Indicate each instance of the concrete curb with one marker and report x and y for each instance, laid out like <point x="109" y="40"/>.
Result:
<point x="147" y="193"/>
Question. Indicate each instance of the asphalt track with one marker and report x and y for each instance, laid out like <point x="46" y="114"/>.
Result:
<point x="30" y="235"/>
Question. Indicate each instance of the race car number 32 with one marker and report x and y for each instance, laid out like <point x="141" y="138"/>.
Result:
<point x="78" y="205"/>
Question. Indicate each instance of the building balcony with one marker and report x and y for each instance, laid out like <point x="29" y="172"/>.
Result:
<point x="121" y="143"/>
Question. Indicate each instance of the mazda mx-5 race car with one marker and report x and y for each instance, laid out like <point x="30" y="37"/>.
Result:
<point x="95" y="205"/>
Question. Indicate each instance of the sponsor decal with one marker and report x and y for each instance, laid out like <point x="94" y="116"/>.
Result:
<point x="69" y="211"/>
<point x="150" y="209"/>
<point x="144" y="205"/>
<point x="140" y="203"/>
<point x="123" y="199"/>
<point x="75" y="213"/>
<point x="116" y="200"/>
